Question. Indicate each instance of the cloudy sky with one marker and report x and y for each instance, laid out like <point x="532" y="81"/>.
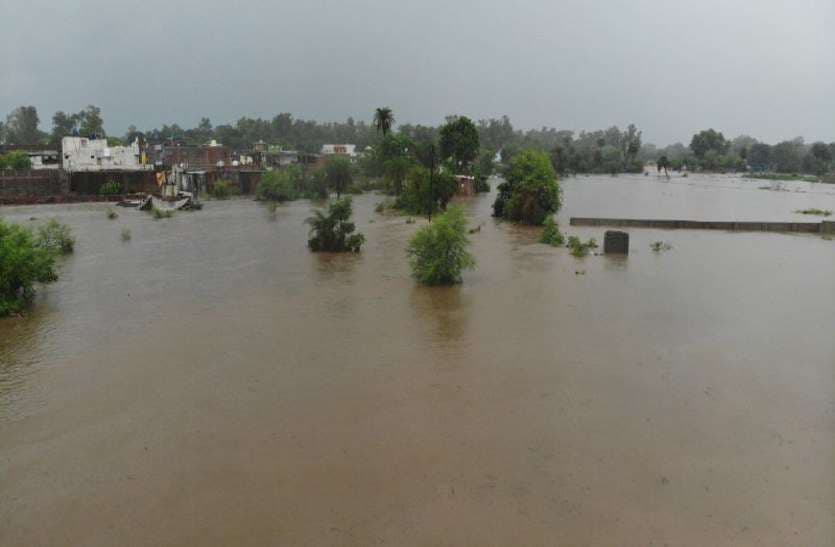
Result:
<point x="762" y="67"/>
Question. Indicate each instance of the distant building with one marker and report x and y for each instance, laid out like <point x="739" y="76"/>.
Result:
<point x="466" y="185"/>
<point x="347" y="150"/>
<point x="201" y="157"/>
<point x="83" y="154"/>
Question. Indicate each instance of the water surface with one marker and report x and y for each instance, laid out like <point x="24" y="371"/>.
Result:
<point x="211" y="382"/>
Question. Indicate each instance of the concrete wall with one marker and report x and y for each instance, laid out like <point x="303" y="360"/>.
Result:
<point x="806" y="227"/>
<point x="80" y="154"/>
<point x="32" y="186"/>
<point x="88" y="183"/>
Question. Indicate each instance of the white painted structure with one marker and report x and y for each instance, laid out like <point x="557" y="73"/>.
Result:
<point x="349" y="150"/>
<point x="82" y="154"/>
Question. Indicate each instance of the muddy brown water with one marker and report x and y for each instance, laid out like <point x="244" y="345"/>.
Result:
<point x="210" y="382"/>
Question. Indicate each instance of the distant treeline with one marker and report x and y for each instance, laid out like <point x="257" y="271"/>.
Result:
<point x="604" y="151"/>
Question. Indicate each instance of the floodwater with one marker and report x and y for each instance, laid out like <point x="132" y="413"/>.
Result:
<point x="211" y="382"/>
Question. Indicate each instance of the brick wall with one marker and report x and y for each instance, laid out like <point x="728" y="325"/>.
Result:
<point x="24" y="186"/>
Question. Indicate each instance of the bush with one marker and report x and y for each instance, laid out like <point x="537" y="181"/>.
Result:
<point x="23" y="262"/>
<point x="551" y="235"/>
<point x="659" y="246"/>
<point x="276" y="186"/>
<point x="55" y="237"/>
<point x="126" y="235"/>
<point x="580" y="249"/>
<point x="334" y="232"/>
<point x="425" y="193"/>
<point x="223" y="189"/>
<point x="110" y="188"/>
<point x="111" y="214"/>
<point x="815" y="211"/>
<point x="438" y="252"/>
<point x="531" y="191"/>
<point x="17" y="160"/>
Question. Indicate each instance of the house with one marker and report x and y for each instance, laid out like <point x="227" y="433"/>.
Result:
<point x="80" y="154"/>
<point x="198" y="157"/>
<point x="466" y="185"/>
<point x="347" y="150"/>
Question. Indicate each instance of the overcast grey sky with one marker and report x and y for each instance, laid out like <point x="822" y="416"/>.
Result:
<point x="763" y="67"/>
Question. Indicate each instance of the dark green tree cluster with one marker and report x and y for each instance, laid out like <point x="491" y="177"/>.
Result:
<point x="530" y="192"/>
<point x="16" y="160"/>
<point x="334" y="232"/>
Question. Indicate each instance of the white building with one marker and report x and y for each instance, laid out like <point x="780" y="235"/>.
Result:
<point x="82" y="154"/>
<point x="349" y="150"/>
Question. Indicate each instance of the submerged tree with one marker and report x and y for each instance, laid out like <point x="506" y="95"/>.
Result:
<point x="334" y="232"/>
<point x="663" y="163"/>
<point x="23" y="262"/>
<point x="438" y="252"/>
<point x="339" y="175"/>
<point x="530" y="192"/>
<point x="383" y="120"/>
<point x="459" y="142"/>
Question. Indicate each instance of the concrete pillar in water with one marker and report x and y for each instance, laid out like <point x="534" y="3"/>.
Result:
<point x="616" y="242"/>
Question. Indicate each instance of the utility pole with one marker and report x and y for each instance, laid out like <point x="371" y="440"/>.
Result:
<point x="431" y="180"/>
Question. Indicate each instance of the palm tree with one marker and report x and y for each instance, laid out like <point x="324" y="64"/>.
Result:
<point x="383" y="119"/>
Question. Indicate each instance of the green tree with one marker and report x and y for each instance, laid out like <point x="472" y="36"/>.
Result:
<point x="530" y="192"/>
<point x="276" y="186"/>
<point x="759" y="157"/>
<point x="22" y="126"/>
<point x="426" y="191"/>
<point x="383" y="120"/>
<point x="339" y="174"/>
<point x="438" y="252"/>
<point x="707" y="140"/>
<point x="63" y="125"/>
<point x="459" y="142"/>
<point x="334" y="231"/>
<point x="90" y="122"/>
<point x="663" y="163"/>
<point x="22" y="264"/>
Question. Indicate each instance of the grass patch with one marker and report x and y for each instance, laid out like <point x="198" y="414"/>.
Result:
<point x="158" y="213"/>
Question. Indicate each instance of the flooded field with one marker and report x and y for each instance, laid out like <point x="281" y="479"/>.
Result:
<point x="211" y="382"/>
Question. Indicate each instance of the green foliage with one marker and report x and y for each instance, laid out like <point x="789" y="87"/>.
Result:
<point x="816" y="212"/>
<point x="530" y="192"/>
<point x="334" y="231"/>
<point x="383" y="120"/>
<point x="659" y="246"/>
<point x="126" y="234"/>
<point x="709" y="140"/>
<point x="55" y="237"/>
<point x="111" y="214"/>
<point x="16" y="160"/>
<point x="23" y="262"/>
<point x="438" y="252"/>
<point x="426" y="192"/>
<point x="579" y="248"/>
<point x="110" y="188"/>
<point x="277" y="186"/>
<point x="157" y="213"/>
<point x="551" y="234"/>
<point x="459" y="142"/>
<point x="339" y="174"/>
<point x="223" y="189"/>
<point x="22" y="126"/>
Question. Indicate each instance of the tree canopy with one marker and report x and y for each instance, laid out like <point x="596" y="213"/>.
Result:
<point x="530" y="192"/>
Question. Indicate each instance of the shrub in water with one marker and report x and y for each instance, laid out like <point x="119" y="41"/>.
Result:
<point x="223" y="189"/>
<point x="277" y="186"/>
<point x="111" y="214"/>
<point x="56" y="237"/>
<point x="438" y="252"/>
<point x="530" y="192"/>
<point x="160" y="213"/>
<point x="334" y="232"/>
<point x="110" y="188"/>
<point x="551" y="235"/>
<point x="580" y="249"/>
<point x="23" y="262"/>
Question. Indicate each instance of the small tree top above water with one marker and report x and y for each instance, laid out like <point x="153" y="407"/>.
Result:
<point x="530" y="192"/>
<point x="438" y="252"/>
<point x="334" y="231"/>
